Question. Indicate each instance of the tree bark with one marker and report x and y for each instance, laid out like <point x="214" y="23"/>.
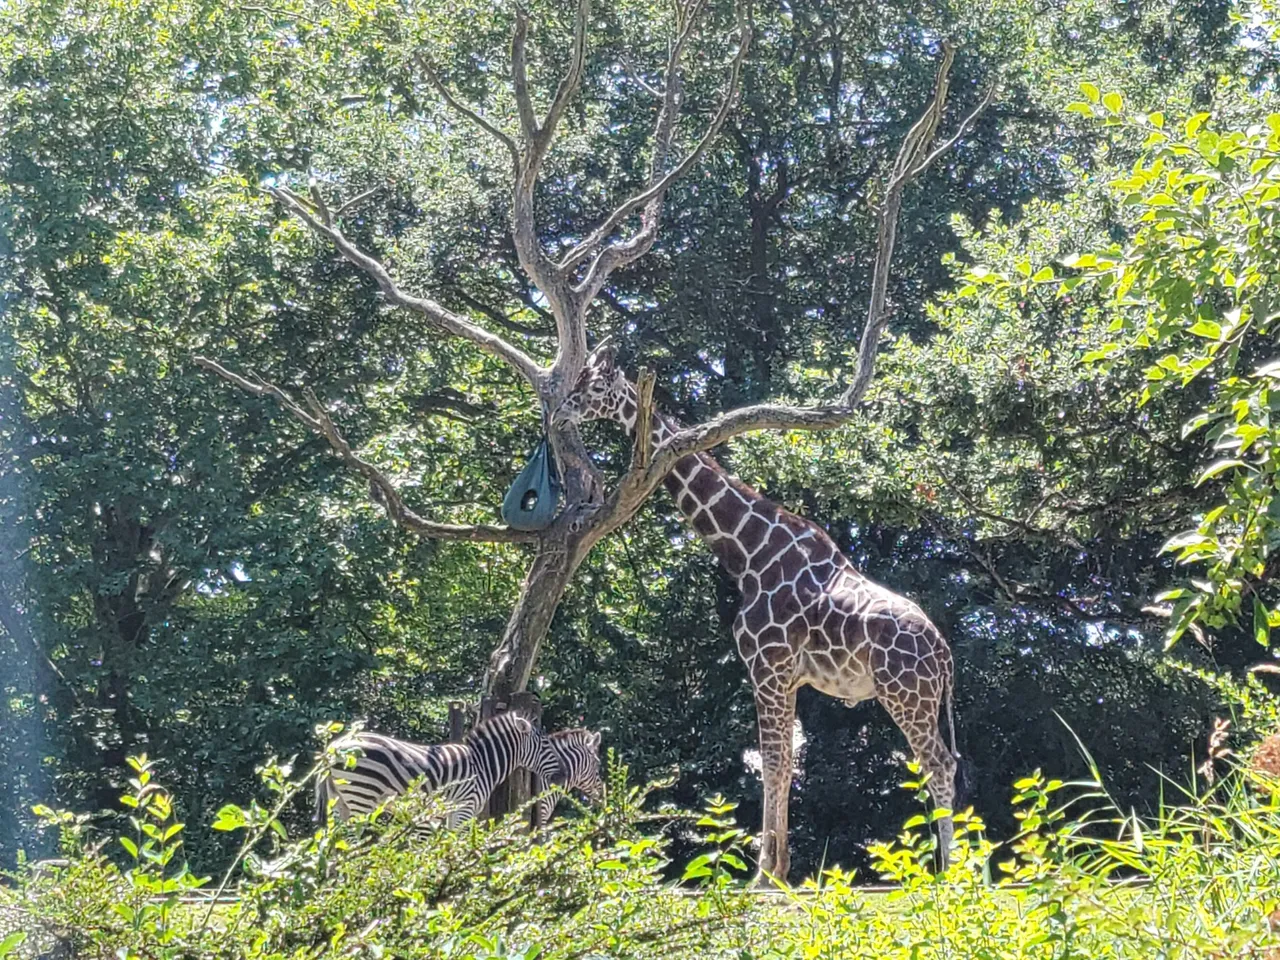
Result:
<point x="511" y="664"/>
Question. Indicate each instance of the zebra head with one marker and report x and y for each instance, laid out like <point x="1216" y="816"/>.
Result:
<point x="578" y="752"/>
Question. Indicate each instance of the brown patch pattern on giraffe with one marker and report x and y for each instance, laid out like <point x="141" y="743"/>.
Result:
<point x="807" y="617"/>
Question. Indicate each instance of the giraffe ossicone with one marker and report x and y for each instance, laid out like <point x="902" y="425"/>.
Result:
<point x="808" y="616"/>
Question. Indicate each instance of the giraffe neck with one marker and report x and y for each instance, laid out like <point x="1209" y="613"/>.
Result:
<point x="732" y="518"/>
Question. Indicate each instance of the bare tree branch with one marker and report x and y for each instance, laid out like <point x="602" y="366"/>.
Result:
<point x="318" y="219"/>
<point x="358" y="199"/>
<point x="659" y="182"/>
<point x="318" y="420"/>
<point x="553" y="283"/>
<point x="906" y="167"/>
<point x="763" y="416"/>
<point x="638" y="80"/>
<point x="913" y="157"/>
<point x="569" y="84"/>
<point x="987" y="99"/>
<point x="520" y="76"/>
<point x="473" y="115"/>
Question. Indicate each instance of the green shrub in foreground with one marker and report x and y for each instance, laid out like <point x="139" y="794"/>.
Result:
<point x="1081" y="880"/>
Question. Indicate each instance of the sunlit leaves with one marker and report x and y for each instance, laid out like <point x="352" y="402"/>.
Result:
<point x="1190" y="293"/>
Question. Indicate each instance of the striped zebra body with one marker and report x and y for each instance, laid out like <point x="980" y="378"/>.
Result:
<point x="463" y="774"/>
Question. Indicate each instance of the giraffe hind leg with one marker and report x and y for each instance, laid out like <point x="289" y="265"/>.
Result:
<point x="917" y="718"/>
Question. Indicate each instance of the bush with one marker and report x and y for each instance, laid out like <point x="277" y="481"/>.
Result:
<point x="1081" y="879"/>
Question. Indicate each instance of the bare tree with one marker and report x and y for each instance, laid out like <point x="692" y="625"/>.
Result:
<point x="571" y="281"/>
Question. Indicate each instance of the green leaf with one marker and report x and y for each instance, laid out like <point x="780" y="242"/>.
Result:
<point x="698" y="867"/>
<point x="230" y="817"/>
<point x="1104" y="351"/>
<point x="1217" y="467"/>
<point x="11" y="943"/>
<point x="1196" y="422"/>
<point x="1207" y="329"/>
<point x="1261" y="624"/>
<point x="1156" y="119"/>
<point x="1195" y="123"/>
<point x="1091" y="91"/>
<point x="1079" y="261"/>
<point x="1113" y="102"/>
<point x="130" y="846"/>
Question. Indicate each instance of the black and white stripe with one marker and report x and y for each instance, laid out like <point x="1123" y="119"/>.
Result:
<point x="372" y="768"/>
<point x="578" y="753"/>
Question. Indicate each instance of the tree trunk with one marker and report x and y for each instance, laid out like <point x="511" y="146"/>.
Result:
<point x="559" y="553"/>
<point x="511" y="664"/>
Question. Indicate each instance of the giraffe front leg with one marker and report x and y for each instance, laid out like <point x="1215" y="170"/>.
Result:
<point x="775" y="710"/>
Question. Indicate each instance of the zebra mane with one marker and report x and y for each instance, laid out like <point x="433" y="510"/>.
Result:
<point x="580" y="733"/>
<point x="499" y="720"/>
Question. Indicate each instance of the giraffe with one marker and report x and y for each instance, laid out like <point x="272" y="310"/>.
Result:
<point x="808" y="616"/>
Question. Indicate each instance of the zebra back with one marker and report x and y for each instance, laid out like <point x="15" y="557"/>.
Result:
<point x="464" y="773"/>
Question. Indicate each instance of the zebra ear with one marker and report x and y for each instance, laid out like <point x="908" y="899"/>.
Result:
<point x="593" y="740"/>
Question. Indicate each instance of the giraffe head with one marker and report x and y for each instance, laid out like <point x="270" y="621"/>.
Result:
<point x="602" y="392"/>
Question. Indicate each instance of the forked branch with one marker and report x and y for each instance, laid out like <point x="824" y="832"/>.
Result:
<point x="660" y="178"/>
<point x="572" y="80"/>
<point x="315" y="215"/>
<point x="317" y="419"/>
<point x="914" y="157"/>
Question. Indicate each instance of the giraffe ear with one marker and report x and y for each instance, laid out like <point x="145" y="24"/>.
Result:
<point x="603" y="356"/>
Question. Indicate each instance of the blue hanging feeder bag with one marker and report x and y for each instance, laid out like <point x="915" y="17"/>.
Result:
<point x="532" y="501"/>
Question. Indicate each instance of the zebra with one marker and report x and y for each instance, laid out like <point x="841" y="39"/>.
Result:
<point x="578" y="754"/>
<point x="464" y="774"/>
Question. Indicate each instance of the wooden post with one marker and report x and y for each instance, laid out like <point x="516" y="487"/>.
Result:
<point x="515" y="791"/>
<point x="642" y="450"/>
<point x="457" y="721"/>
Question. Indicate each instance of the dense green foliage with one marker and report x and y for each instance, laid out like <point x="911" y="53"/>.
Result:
<point x="1081" y="879"/>
<point x="184" y="573"/>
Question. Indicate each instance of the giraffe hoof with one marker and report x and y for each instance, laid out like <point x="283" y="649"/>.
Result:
<point x="767" y="881"/>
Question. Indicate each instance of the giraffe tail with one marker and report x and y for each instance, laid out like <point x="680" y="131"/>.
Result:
<point x="951" y="716"/>
<point x="964" y="769"/>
